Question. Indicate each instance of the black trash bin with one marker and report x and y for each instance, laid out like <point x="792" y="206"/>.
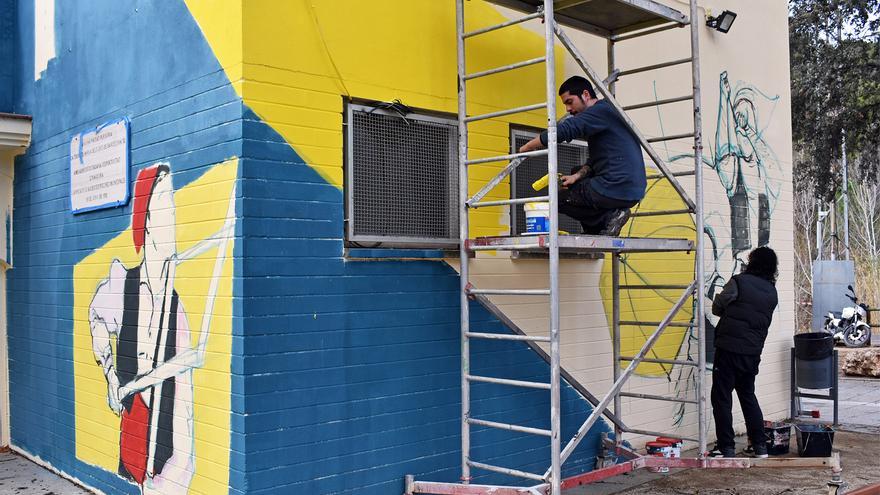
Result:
<point x="813" y="359"/>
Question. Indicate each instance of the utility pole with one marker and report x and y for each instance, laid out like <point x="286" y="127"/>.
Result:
<point x="832" y="208"/>
<point x="820" y="227"/>
<point x="845" y="200"/>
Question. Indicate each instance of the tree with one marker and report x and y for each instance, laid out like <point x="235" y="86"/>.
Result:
<point x="835" y="79"/>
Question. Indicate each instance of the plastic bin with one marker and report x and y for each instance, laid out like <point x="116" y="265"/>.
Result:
<point x="778" y="437"/>
<point x="813" y="360"/>
<point x="814" y="440"/>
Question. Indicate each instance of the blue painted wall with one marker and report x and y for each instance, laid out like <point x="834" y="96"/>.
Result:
<point x="7" y="53"/>
<point x="144" y="60"/>
<point x="352" y="368"/>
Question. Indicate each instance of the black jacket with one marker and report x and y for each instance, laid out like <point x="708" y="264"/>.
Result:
<point x="746" y="308"/>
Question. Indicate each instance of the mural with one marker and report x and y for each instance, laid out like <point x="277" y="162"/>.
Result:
<point x="750" y="173"/>
<point x="139" y="330"/>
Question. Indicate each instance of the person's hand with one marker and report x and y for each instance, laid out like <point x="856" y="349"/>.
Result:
<point x="113" y="399"/>
<point x="532" y="145"/>
<point x="569" y="180"/>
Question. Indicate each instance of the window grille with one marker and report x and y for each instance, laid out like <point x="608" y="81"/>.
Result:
<point x="570" y="155"/>
<point x="401" y="178"/>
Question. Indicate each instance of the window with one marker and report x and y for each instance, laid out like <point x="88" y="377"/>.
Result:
<point x="569" y="155"/>
<point x="401" y="178"/>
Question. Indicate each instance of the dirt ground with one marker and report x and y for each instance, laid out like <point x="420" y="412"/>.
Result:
<point x="860" y="458"/>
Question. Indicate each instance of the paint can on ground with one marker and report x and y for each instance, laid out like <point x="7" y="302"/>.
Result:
<point x="658" y="449"/>
<point x="778" y="437"/>
<point x="537" y="217"/>
<point x="674" y="446"/>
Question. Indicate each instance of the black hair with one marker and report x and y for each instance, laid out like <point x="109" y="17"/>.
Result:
<point x="763" y="263"/>
<point x="576" y="85"/>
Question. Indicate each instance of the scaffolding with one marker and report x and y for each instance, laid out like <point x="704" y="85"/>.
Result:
<point x="616" y="21"/>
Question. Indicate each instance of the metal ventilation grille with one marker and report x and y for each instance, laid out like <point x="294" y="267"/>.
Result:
<point x="403" y="177"/>
<point x="569" y="155"/>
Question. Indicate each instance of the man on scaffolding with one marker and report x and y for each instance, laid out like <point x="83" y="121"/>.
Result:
<point x="600" y="193"/>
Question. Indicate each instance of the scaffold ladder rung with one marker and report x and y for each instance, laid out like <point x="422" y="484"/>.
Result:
<point x="511" y="292"/>
<point x="671" y="137"/>
<point x="637" y="323"/>
<point x="510" y="111"/>
<point x="506" y="336"/>
<point x="510" y="427"/>
<point x="659" y="434"/>
<point x="506" y="381"/>
<point x="515" y="201"/>
<point x="657" y="103"/>
<point x="505" y="68"/>
<point x="504" y="470"/>
<point x="502" y="25"/>
<point x="639" y="34"/>
<point x="682" y="362"/>
<point x="509" y="247"/>
<point x="653" y="286"/>
<point x="656" y="397"/>
<point x="683" y="173"/>
<point x="504" y="158"/>
<point x="660" y="213"/>
<point x="661" y="65"/>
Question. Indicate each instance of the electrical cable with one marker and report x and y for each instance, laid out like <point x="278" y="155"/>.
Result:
<point x="321" y="36"/>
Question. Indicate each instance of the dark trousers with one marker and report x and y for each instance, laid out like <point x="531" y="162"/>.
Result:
<point x="588" y="207"/>
<point x="731" y="372"/>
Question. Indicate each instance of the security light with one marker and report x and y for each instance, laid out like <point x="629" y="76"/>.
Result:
<point x="723" y="22"/>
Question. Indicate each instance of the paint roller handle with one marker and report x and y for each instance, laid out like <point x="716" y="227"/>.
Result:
<point x="544" y="182"/>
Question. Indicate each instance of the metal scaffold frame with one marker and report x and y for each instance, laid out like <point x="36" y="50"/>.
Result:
<point x="636" y="18"/>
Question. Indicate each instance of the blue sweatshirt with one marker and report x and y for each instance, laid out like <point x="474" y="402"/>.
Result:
<point x="616" y="165"/>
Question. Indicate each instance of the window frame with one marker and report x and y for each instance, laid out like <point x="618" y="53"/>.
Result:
<point x="352" y="240"/>
<point x="522" y="131"/>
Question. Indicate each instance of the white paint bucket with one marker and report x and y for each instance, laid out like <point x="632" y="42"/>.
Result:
<point x="537" y="217"/>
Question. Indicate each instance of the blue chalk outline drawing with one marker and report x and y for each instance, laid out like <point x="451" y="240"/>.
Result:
<point x="739" y="145"/>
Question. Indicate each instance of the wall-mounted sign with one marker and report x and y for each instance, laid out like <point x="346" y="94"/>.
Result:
<point x="99" y="167"/>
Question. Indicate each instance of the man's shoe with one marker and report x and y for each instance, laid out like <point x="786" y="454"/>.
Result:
<point x="725" y="452"/>
<point x="616" y="220"/>
<point x="760" y="451"/>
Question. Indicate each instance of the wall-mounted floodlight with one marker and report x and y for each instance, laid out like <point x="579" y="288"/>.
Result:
<point x="722" y="22"/>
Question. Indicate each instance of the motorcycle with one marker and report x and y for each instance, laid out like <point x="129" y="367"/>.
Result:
<point x="850" y="325"/>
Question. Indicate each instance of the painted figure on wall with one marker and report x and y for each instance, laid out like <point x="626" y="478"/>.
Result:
<point x="150" y="374"/>
<point x="750" y="173"/>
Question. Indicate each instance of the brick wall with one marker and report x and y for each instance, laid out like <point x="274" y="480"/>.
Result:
<point x="150" y="64"/>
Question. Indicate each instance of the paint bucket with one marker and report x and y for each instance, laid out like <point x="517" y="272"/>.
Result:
<point x="658" y="449"/>
<point x="674" y="446"/>
<point x="778" y="437"/>
<point x="537" y="217"/>
<point x="814" y="440"/>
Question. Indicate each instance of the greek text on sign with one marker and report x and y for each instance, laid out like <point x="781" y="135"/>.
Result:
<point x="99" y="167"/>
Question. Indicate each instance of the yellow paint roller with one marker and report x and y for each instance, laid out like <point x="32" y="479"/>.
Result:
<point x="543" y="182"/>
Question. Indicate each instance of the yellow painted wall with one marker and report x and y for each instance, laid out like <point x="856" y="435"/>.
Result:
<point x="299" y="59"/>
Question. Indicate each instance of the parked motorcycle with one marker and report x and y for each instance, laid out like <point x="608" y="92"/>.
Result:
<point x="850" y="325"/>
